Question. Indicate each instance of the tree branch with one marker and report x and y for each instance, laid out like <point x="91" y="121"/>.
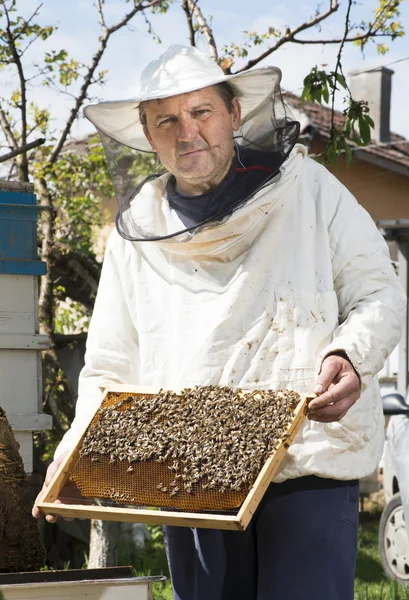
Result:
<point x="59" y="403"/>
<point x="338" y="65"/>
<point x="204" y="28"/>
<point x="101" y="15"/>
<point x="372" y="32"/>
<point x="25" y="148"/>
<point x="289" y="36"/>
<point x="356" y="38"/>
<point x="374" y="27"/>
<point x="88" y="78"/>
<point x="5" y="125"/>
<point x="22" y="163"/>
<point x="185" y="6"/>
<point x="46" y="299"/>
<point x="11" y="169"/>
<point x="79" y="101"/>
<point x="137" y="8"/>
<point x="27" y="21"/>
<point x="33" y="39"/>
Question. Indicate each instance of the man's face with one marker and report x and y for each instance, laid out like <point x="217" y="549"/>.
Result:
<point x="193" y="136"/>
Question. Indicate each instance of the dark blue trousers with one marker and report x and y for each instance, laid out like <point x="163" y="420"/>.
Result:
<point x="300" y="545"/>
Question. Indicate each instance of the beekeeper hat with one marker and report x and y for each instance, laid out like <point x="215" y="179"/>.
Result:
<point x="179" y="70"/>
<point x="267" y="127"/>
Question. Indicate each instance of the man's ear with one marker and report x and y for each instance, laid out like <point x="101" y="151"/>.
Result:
<point x="236" y="114"/>
<point x="148" y="137"/>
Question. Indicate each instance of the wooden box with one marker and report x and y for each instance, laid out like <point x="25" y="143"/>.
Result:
<point x="235" y="520"/>
<point x="20" y="341"/>
<point x="115" y="583"/>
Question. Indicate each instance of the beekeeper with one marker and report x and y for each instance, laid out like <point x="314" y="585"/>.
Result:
<point x="243" y="262"/>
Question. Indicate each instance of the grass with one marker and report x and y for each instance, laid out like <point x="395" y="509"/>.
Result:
<point x="151" y="562"/>
<point x="162" y="591"/>
<point x="371" y="582"/>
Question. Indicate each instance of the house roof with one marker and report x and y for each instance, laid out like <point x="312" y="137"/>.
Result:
<point x="319" y="119"/>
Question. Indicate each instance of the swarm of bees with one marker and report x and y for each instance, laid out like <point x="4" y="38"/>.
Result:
<point x="209" y="437"/>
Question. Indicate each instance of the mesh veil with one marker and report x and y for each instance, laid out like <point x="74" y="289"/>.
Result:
<point x="139" y="179"/>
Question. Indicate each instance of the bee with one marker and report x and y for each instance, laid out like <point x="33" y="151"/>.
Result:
<point x="210" y="438"/>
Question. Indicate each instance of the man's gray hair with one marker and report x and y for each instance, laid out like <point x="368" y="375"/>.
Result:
<point x="224" y="89"/>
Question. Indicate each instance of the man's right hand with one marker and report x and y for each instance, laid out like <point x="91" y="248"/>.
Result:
<point x="52" y="469"/>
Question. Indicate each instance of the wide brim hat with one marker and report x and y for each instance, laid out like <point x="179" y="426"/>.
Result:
<point x="180" y="70"/>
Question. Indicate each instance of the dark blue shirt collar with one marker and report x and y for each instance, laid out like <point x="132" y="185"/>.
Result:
<point x="243" y="179"/>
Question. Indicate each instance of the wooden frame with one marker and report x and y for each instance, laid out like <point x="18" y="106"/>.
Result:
<point x="238" y="521"/>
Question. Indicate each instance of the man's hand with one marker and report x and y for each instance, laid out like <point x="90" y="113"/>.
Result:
<point x="337" y="387"/>
<point x="52" y="469"/>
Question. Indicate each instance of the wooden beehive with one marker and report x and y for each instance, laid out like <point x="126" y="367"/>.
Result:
<point x="114" y="583"/>
<point x="20" y="341"/>
<point x="219" y="519"/>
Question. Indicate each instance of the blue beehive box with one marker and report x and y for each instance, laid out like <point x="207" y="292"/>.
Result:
<point x="18" y="231"/>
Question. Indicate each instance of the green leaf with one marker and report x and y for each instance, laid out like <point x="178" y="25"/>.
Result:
<point x="304" y="96"/>
<point x="382" y="48"/>
<point x="370" y="121"/>
<point x="348" y="151"/>
<point x="341" y="80"/>
<point x="332" y="157"/>
<point x="364" y="130"/>
<point x="358" y="141"/>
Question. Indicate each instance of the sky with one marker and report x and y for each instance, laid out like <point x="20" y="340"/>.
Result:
<point x="131" y="49"/>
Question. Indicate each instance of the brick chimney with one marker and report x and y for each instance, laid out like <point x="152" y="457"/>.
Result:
<point x="375" y="86"/>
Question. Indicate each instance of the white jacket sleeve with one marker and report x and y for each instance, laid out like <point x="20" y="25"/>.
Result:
<point x="112" y="345"/>
<point x="370" y="298"/>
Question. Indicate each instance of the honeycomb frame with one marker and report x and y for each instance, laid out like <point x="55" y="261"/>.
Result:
<point x="235" y="520"/>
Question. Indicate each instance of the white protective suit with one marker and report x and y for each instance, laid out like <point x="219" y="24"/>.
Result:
<point x="257" y="301"/>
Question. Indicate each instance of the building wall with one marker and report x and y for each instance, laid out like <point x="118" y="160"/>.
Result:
<point x="383" y="193"/>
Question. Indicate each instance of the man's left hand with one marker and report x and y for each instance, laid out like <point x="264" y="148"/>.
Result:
<point x="337" y="387"/>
